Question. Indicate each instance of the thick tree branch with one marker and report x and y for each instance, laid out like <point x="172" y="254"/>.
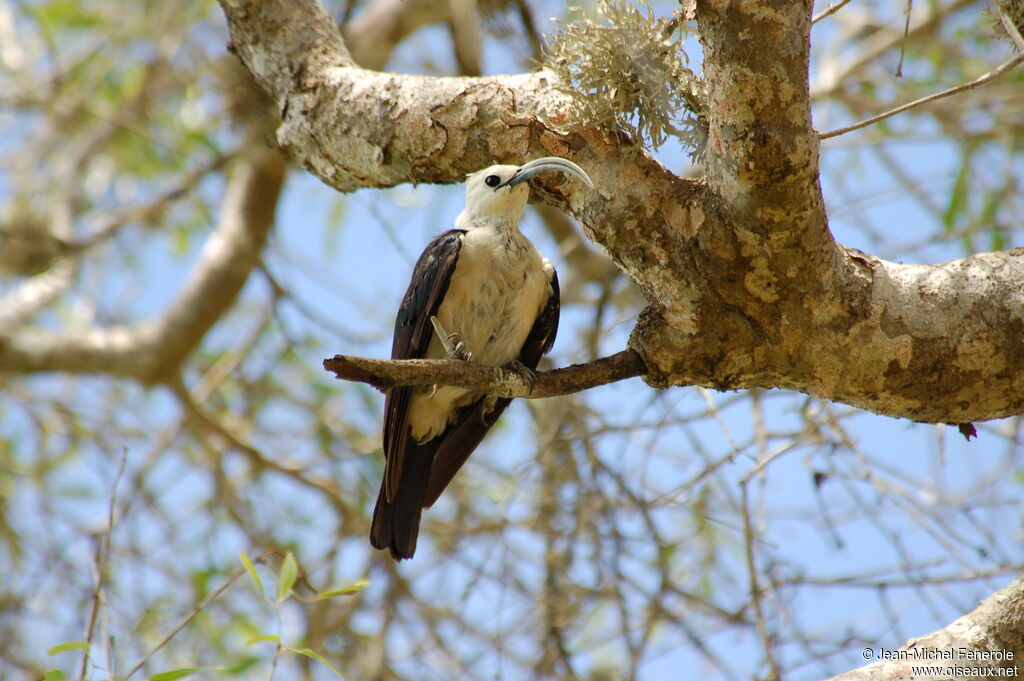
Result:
<point x="994" y="627"/>
<point x="746" y="286"/>
<point x="155" y="348"/>
<point x="788" y="307"/>
<point x="20" y="304"/>
<point x="230" y="254"/>
<point x="499" y="382"/>
<point x="372" y="35"/>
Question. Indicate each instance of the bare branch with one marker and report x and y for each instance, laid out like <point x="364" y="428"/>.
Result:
<point x="155" y="348"/>
<point x="1007" y="65"/>
<point x="109" y="225"/>
<point x="881" y="38"/>
<point x="831" y="9"/>
<point x="291" y="39"/>
<point x="228" y="438"/>
<point x="386" y="373"/>
<point x="229" y="256"/>
<point x="466" y="35"/>
<point x="100" y="568"/>
<point x="183" y="622"/>
<point x="756" y="589"/>
<point x="373" y="33"/>
<point x="994" y="627"/>
<point x="19" y="304"/>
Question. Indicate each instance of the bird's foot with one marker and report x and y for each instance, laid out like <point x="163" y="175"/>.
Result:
<point x="489" y="403"/>
<point x="528" y="374"/>
<point x="452" y="343"/>
<point x="458" y="350"/>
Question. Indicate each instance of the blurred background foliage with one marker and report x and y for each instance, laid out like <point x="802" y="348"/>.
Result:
<point x="618" y="534"/>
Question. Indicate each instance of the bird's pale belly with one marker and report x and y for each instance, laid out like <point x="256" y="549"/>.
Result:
<point x="492" y="303"/>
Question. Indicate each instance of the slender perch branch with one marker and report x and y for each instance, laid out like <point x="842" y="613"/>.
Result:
<point x="1007" y="65"/>
<point x="386" y="373"/>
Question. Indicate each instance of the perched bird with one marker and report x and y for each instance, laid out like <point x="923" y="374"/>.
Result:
<point x="480" y="292"/>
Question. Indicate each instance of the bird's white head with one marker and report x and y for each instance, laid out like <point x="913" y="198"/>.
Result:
<point x="500" y="192"/>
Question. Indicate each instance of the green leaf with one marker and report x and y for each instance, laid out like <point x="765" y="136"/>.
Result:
<point x="334" y="223"/>
<point x="66" y="14"/>
<point x="175" y="674"/>
<point x="251" y="569"/>
<point x="53" y="675"/>
<point x="309" y="652"/>
<point x="263" y="638"/>
<point x="957" y="197"/>
<point x="286" y="580"/>
<point x="65" y="647"/>
<point x="343" y="591"/>
<point x="243" y="666"/>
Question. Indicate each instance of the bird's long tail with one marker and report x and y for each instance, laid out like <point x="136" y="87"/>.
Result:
<point x="396" y="523"/>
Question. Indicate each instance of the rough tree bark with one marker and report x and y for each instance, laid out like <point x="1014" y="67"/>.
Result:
<point x="745" y="284"/>
<point x="986" y="642"/>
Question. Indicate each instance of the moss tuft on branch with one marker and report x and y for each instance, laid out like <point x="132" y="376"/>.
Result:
<point x="627" y="70"/>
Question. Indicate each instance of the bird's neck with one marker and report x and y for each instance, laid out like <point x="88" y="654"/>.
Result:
<point x="502" y="223"/>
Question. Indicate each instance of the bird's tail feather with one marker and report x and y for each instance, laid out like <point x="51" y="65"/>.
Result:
<point x="458" y="443"/>
<point x="396" y="523"/>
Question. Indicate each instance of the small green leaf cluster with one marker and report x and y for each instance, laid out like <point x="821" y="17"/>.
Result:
<point x="286" y="579"/>
<point x="629" y="71"/>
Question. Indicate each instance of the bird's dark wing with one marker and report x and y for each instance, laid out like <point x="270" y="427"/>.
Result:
<point x="413" y="332"/>
<point x="472" y="423"/>
<point x="542" y="335"/>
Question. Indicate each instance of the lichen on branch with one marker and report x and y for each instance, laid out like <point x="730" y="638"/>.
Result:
<point x="628" y="70"/>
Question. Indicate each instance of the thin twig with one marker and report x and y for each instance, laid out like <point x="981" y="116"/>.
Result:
<point x="497" y="381"/>
<point x="755" y="587"/>
<point x="211" y="424"/>
<point x="978" y="82"/>
<point x="906" y="34"/>
<point x="832" y="9"/>
<point x="146" y="211"/>
<point x="184" y="622"/>
<point x="101" y="567"/>
<point x="530" y="28"/>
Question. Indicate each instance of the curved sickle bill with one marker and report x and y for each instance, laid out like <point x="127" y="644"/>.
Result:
<point x="538" y="165"/>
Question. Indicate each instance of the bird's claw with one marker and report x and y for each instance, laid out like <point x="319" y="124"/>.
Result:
<point x="489" y="403"/>
<point x="528" y="374"/>
<point x="452" y="343"/>
<point x="458" y="350"/>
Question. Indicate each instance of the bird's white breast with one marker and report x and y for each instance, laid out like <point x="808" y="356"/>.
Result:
<point x="498" y="288"/>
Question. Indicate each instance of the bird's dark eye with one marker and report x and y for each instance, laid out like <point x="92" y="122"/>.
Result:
<point x="492" y="180"/>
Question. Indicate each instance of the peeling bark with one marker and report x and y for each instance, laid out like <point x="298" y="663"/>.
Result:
<point x="745" y="284"/>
